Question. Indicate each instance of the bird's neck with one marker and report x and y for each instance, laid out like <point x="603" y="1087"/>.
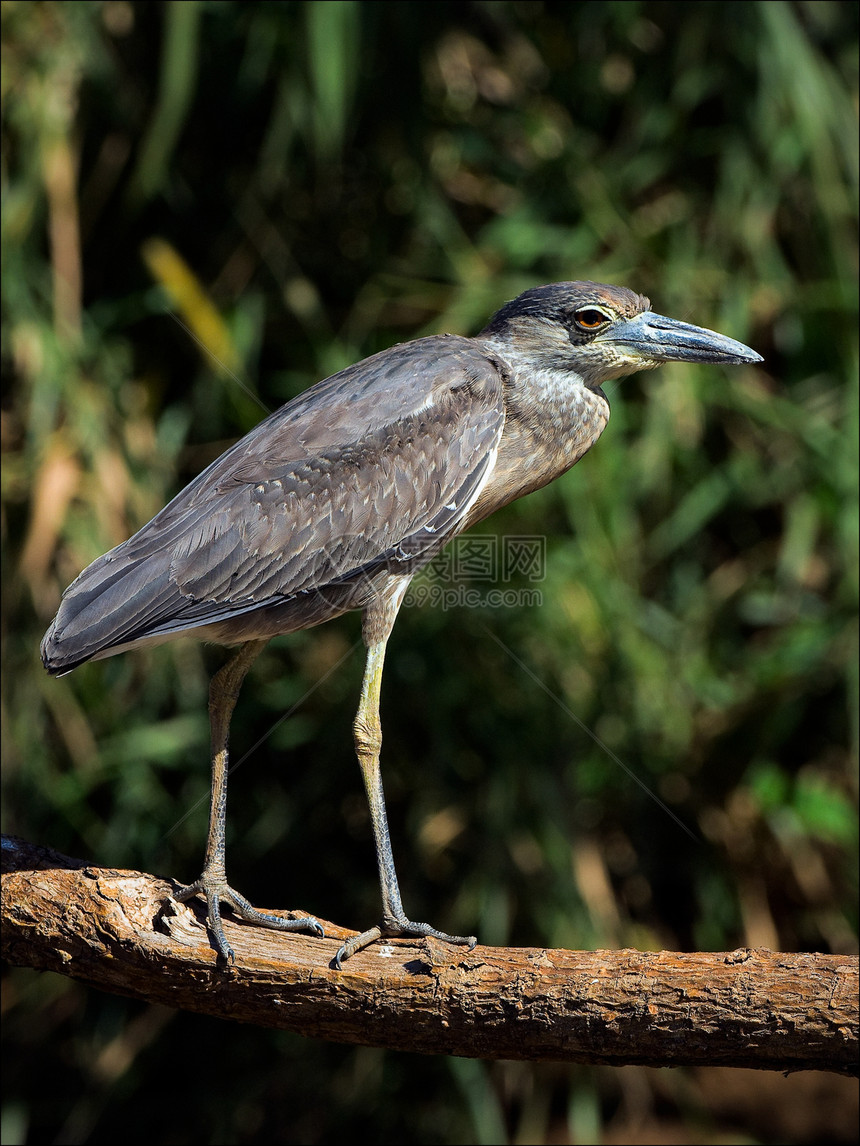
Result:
<point x="551" y="419"/>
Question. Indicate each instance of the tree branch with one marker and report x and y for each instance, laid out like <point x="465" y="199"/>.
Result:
<point x="120" y="931"/>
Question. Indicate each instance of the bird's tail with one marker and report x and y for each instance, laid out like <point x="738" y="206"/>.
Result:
<point x="106" y="609"/>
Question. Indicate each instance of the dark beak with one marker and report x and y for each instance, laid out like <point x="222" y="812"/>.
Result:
<point x="660" y="339"/>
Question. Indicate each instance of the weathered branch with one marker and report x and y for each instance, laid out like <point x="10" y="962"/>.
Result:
<point x="120" y="931"/>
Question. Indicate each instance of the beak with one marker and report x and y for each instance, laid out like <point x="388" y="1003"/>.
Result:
<point x="659" y="339"/>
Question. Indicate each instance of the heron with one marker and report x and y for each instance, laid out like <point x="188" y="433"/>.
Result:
<point x="335" y="501"/>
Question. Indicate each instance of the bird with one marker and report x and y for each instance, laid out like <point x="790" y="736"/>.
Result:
<point x="336" y="500"/>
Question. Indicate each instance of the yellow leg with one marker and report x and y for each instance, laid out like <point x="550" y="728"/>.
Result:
<point x="367" y="729"/>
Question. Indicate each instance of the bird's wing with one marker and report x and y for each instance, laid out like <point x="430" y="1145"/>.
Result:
<point x="373" y="466"/>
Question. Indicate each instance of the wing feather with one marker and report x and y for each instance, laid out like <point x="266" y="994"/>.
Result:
<point x="372" y="467"/>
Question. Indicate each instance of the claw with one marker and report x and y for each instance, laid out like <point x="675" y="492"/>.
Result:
<point x="216" y="891"/>
<point x="398" y="928"/>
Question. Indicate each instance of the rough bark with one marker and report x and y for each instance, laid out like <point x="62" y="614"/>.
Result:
<point x="120" y="931"/>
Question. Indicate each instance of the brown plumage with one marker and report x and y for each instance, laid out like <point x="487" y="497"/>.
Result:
<point x="336" y="500"/>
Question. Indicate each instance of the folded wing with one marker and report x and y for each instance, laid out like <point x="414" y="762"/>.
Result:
<point x="370" y="468"/>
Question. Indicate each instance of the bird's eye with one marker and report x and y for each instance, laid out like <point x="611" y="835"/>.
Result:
<point x="590" y="318"/>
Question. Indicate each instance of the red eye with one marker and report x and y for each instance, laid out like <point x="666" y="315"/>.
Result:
<point x="590" y="318"/>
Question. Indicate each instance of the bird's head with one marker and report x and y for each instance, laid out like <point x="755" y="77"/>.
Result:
<point x="601" y="332"/>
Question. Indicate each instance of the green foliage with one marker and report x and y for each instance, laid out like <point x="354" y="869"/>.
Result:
<point x="209" y="205"/>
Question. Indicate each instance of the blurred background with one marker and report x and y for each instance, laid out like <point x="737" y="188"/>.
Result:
<point x="209" y="205"/>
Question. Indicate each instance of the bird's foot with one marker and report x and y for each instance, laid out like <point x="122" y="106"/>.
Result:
<point x="395" y="928"/>
<point x="216" y="891"/>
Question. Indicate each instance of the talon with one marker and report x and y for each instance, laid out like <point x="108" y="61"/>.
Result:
<point x="215" y="890"/>
<point x="397" y="929"/>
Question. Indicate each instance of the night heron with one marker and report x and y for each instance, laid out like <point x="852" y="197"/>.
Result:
<point x="335" y="501"/>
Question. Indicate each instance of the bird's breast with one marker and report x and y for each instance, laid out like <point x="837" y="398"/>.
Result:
<point x="541" y="441"/>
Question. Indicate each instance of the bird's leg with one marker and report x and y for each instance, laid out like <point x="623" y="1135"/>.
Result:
<point x="223" y="694"/>
<point x="367" y="730"/>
